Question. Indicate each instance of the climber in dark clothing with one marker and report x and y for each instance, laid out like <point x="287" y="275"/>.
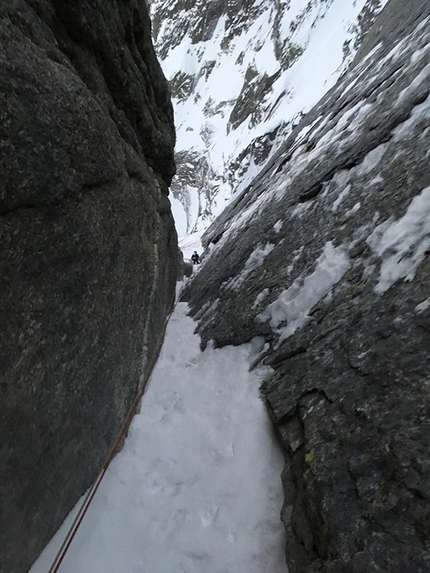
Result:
<point x="195" y="258"/>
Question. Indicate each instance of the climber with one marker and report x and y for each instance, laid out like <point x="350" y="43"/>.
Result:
<point x="195" y="258"/>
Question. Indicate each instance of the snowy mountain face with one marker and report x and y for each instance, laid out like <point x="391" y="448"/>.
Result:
<point x="325" y="257"/>
<point x="242" y="75"/>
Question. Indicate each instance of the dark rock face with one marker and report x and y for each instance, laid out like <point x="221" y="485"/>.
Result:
<point x="88" y="248"/>
<point x="325" y="255"/>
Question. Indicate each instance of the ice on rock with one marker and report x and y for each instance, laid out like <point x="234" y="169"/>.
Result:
<point x="402" y="244"/>
<point x="293" y="304"/>
<point x="254" y="260"/>
<point x="423" y="306"/>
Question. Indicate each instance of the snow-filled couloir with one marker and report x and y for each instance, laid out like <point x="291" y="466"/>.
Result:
<point x="242" y="74"/>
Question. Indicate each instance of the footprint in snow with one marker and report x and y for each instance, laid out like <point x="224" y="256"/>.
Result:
<point x="208" y="515"/>
<point x="159" y="485"/>
<point x="155" y="485"/>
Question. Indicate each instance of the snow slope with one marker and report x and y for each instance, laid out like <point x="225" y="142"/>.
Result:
<point x="197" y="485"/>
<point x="242" y="74"/>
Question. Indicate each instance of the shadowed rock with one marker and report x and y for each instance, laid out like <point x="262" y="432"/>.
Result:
<point x="88" y="248"/>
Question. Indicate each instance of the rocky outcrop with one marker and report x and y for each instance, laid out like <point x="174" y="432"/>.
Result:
<point x="88" y="248"/>
<point x="325" y="256"/>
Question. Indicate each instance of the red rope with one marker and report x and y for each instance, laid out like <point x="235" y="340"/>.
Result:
<point x="93" y="489"/>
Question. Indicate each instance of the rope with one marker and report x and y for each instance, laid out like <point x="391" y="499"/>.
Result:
<point x="93" y="489"/>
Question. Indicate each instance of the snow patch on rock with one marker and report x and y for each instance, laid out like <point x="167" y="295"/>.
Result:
<point x="402" y="244"/>
<point x="293" y="305"/>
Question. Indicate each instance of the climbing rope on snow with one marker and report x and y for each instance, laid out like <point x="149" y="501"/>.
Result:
<point x="93" y="489"/>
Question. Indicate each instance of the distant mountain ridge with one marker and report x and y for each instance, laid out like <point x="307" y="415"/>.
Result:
<point x="242" y="75"/>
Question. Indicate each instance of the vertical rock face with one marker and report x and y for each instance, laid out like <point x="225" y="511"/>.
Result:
<point x="326" y="256"/>
<point x="88" y="248"/>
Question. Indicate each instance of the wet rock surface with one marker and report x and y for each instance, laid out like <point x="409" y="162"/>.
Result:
<point x="88" y="248"/>
<point x="325" y="256"/>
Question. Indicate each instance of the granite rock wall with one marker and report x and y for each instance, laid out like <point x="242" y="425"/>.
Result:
<point x="88" y="259"/>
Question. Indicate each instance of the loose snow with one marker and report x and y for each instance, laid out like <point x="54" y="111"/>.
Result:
<point x="341" y="197"/>
<point x="260" y="298"/>
<point x="278" y="226"/>
<point x="197" y="485"/>
<point x="353" y="210"/>
<point x="420" y="114"/>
